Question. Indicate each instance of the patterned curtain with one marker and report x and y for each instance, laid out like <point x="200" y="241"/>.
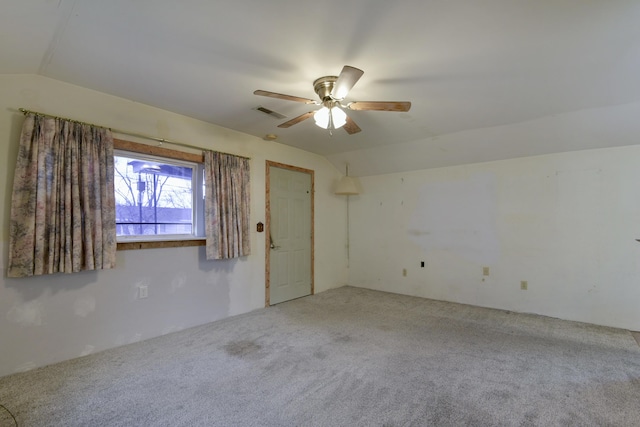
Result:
<point x="226" y="205"/>
<point x="63" y="203"/>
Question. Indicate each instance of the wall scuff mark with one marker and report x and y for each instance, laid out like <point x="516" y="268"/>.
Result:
<point x="83" y="306"/>
<point x="29" y="313"/>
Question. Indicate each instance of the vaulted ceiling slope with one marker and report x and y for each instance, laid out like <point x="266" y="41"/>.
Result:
<point x="464" y="65"/>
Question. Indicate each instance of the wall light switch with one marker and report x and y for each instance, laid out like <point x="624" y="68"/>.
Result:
<point x="485" y="271"/>
<point x="524" y="285"/>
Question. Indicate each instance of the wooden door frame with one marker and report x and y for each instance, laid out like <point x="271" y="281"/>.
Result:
<point x="267" y="240"/>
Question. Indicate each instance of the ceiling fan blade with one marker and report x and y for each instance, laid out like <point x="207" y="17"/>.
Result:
<point x="379" y="106"/>
<point x="282" y="96"/>
<point x="346" y="80"/>
<point x="351" y="127"/>
<point x="295" y="120"/>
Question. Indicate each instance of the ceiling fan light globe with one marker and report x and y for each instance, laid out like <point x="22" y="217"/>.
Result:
<point x="338" y="117"/>
<point x="322" y="117"/>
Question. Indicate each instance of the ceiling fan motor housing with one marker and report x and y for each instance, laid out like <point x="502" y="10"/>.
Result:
<point x="324" y="86"/>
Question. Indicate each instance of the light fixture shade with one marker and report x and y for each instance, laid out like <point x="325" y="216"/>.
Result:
<point x="322" y="117"/>
<point x="333" y="118"/>
<point x="347" y="187"/>
<point x="338" y="117"/>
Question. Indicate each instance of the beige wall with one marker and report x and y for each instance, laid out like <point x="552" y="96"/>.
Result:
<point x="53" y="318"/>
<point x="565" y="223"/>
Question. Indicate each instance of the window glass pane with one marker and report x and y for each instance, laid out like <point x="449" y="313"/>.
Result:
<point x="153" y="196"/>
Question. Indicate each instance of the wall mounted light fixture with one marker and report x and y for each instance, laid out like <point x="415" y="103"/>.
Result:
<point x="347" y="186"/>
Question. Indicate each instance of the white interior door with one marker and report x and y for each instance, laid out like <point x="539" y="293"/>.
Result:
<point x="290" y="251"/>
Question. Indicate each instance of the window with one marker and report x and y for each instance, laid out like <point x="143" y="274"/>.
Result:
<point x="159" y="194"/>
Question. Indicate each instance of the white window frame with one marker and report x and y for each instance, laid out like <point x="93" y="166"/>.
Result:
<point x="178" y="158"/>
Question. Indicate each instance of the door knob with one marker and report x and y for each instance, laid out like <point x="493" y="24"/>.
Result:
<point x="271" y="245"/>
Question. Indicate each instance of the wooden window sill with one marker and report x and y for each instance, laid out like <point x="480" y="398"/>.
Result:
<point x="126" y="246"/>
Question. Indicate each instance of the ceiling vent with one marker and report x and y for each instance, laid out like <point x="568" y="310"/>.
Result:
<point x="270" y="112"/>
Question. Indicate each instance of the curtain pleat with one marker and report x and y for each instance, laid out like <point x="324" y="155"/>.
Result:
<point x="63" y="202"/>
<point x="226" y="205"/>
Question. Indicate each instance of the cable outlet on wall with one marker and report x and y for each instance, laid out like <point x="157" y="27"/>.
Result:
<point x="143" y="291"/>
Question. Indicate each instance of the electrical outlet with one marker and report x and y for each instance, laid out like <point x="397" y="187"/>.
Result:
<point x="485" y="271"/>
<point x="524" y="285"/>
<point x="143" y="291"/>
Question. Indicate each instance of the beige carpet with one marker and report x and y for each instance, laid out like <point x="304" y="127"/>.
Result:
<point x="636" y="335"/>
<point x="347" y="357"/>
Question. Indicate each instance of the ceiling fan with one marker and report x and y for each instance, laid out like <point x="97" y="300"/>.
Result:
<point x="332" y="90"/>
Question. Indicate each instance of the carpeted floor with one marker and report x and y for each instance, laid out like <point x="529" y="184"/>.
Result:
<point x="347" y="357"/>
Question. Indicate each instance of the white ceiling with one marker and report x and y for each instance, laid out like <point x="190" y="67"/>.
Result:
<point x="464" y="64"/>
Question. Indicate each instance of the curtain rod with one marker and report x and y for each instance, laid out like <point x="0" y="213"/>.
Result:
<point x="139" y="135"/>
